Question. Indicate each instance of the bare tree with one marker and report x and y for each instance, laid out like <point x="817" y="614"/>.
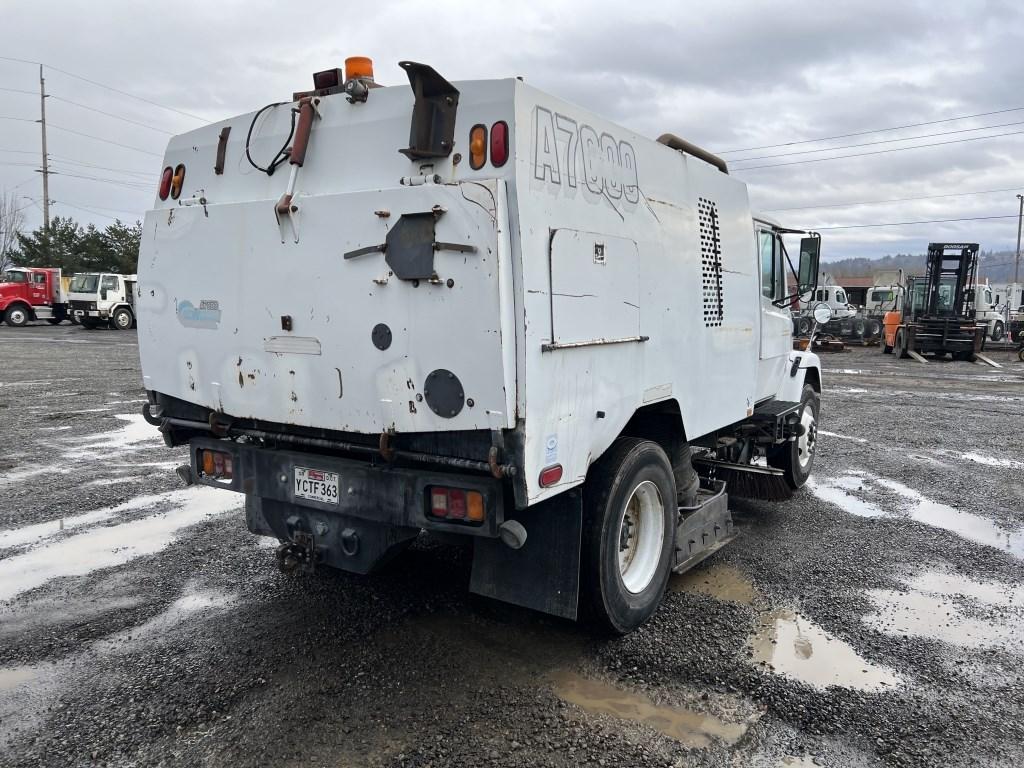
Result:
<point x="12" y="220"/>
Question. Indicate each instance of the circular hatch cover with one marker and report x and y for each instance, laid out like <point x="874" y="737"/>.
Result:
<point x="443" y="392"/>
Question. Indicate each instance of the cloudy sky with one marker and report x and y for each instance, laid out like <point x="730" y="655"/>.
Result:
<point x="761" y="83"/>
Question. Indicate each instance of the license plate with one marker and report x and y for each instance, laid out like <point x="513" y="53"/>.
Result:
<point x="316" y="485"/>
<point x="79" y="313"/>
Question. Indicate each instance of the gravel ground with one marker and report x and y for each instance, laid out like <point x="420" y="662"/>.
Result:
<point x="877" y="618"/>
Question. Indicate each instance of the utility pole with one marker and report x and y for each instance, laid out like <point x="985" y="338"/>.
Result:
<point x="46" y="157"/>
<point x="1020" y="218"/>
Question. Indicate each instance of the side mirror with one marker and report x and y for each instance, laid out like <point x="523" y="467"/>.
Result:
<point x="822" y="313"/>
<point x="810" y="253"/>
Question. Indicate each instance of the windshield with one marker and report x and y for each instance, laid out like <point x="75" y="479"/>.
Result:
<point x="84" y="283"/>
<point x="13" y="276"/>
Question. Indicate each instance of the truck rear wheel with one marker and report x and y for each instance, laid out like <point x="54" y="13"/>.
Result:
<point x="629" y="533"/>
<point x="901" y="343"/>
<point x="796" y="458"/>
<point x="16" y="316"/>
<point x="122" y="319"/>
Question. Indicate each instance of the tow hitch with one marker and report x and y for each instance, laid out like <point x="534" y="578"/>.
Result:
<point x="297" y="554"/>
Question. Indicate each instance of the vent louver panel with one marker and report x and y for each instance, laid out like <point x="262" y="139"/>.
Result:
<point x="711" y="263"/>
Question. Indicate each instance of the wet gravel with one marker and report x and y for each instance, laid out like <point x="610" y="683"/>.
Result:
<point x="194" y="650"/>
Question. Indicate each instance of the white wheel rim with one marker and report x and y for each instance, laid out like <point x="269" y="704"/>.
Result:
<point x="640" y="537"/>
<point x="123" y="320"/>
<point x="805" y="443"/>
<point x="18" y="316"/>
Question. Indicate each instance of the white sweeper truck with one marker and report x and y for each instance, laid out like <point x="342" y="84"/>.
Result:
<point x="474" y="309"/>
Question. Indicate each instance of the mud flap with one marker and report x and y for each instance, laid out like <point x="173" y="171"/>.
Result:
<point x="544" y="574"/>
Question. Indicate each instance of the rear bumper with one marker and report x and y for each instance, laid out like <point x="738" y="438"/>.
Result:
<point x="381" y="504"/>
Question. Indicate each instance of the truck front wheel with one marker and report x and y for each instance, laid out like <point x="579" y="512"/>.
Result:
<point x="998" y="330"/>
<point x="796" y="458"/>
<point x="122" y="319"/>
<point x="629" y="533"/>
<point x="16" y="316"/>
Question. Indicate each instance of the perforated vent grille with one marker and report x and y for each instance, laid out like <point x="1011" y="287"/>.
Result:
<point x="710" y="262"/>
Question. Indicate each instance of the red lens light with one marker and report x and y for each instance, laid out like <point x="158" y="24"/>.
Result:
<point x="550" y="475"/>
<point x="165" y="182"/>
<point x="499" y="143"/>
<point x="457" y="504"/>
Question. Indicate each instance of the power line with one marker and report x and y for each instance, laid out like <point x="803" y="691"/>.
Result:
<point x="19" y="151"/>
<point x="104" y="85"/>
<point x="908" y="223"/>
<point x="875" y="143"/>
<point x="866" y="133"/>
<point x="61" y="159"/>
<point x="893" y="200"/>
<point x="105" y="141"/>
<point x="111" y="114"/>
<point x="18" y="119"/>
<point x="140" y="187"/>
<point x="86" y="209"/>
<point x="881" y="151"/>
<point x="19" y="90"/>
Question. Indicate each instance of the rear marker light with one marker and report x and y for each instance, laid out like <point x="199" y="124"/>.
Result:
<point x="165" y="182"/>
<point x="550" y="475"/>
<point x="499" y="143"/>
<point x="456" y="505"/>
<point x="477" y="147"/>
<point x="177" y="181"/>
<point x="216" y="464"/>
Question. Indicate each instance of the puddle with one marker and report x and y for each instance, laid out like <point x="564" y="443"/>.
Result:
<point x="30" y="534"/>
<point x="13" y="677"/>
<point x="694" y="729"/>
<point x="992" y="461"/>
<point x="918" y="507"/>
<point x="135" y="430"/>
<point x="182" y="608"/>
<point x="115" y="480"/>
<point x="954" y="609"/>
<point x="17" y="475"/>
<point x="111" y="545"/>
<point x="796" y="647"/>
<point x="842" y="437"/>
<point x="723" y="582"/>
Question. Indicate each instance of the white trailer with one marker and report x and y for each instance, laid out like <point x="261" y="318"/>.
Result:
<point x="475" y="309"/>
<point x="103" y="298"/>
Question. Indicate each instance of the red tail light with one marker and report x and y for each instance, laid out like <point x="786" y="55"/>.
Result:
<point x="550" y="475"/>
<point x="455" y="505"/>
<point x="165" y="182"/>
<point x="499" y="143"/>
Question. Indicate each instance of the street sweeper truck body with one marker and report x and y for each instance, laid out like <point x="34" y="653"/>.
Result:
<point x="477" y="310"/>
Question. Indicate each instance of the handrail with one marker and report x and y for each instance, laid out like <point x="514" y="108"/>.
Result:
<point x="674" y="142"/>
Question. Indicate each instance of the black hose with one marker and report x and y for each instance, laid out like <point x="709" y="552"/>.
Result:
<point x="282" y="153"/>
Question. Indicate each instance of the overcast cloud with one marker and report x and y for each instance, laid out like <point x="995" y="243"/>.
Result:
<point x="726" y="75"/>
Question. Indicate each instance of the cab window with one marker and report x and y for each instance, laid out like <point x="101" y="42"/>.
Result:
<point x="766" y="245"/>
<point x="109" y="282"/>
<point x="840" y="297"/>
<point x="38" y="277"/>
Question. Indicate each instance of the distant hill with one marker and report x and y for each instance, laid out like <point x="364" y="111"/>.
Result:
<point x="995" y="266"/>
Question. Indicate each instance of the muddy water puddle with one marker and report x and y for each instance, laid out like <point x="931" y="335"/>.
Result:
<point x="954" y="609"/>
<point x="15" y="677"/>
<point x="848" y="491"/>
<point x="694" y="729"/>
<point x="720" y="581"/>
<point x="795" y="647"/>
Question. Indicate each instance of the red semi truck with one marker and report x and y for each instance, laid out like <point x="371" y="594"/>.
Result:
<point x="32" y="294"/>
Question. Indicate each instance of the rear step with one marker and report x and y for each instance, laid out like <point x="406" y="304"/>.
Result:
<point x="704" y="528"/>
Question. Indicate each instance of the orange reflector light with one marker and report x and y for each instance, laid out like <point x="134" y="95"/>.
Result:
<point x="550" y="475"/>
<point x="207" y="462"/>
<point x="477" y="147"/>
<point x="358" y="66"/>
<point x="475" y="507"/>
<point x="499" y="143"/>
<point x="177" y="181"/>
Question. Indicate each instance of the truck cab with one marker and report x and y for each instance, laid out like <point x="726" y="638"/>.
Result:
<point x="103" y="298"/>
<point x="32" y="293"/>
<point x="989" y="310"/>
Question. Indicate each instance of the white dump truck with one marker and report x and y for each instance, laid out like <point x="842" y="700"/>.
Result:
<point x="474" y="309"/>
<point x="103" y="298"/>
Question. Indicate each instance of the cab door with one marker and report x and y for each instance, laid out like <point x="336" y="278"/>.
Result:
<point x="37" y="289"/>
<point x="776" y="322"/>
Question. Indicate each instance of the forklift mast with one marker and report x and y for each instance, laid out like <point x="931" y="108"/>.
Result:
<point x="951" y="270"/>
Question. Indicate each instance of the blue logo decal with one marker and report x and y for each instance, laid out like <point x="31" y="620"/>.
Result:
<point x="207" y="315"/>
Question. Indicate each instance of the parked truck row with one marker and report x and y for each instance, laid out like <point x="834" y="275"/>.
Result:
<point x="91" y="299"/>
